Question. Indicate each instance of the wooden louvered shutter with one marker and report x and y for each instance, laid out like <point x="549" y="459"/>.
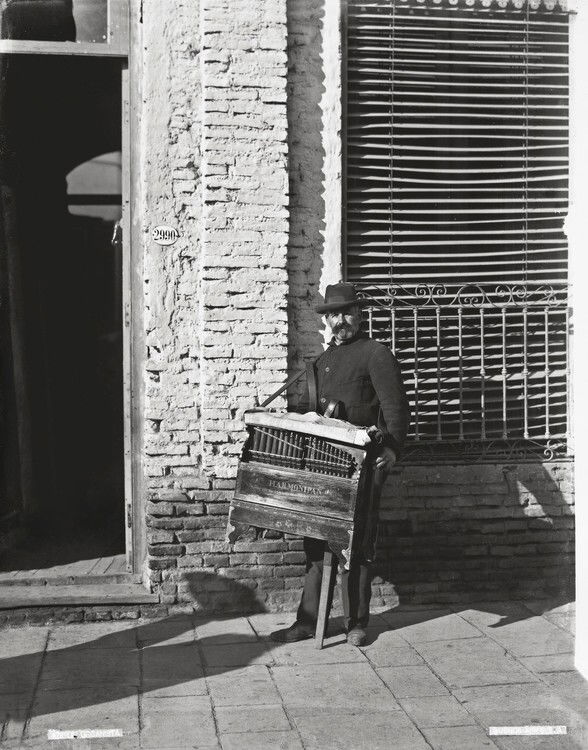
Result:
<point x="456" y="190"/>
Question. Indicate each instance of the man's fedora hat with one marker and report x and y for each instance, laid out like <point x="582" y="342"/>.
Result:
<point x="338" y="297"/>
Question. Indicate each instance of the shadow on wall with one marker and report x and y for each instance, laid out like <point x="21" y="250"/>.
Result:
<point x="306" y="158"/>
<point x="485" y="531"/>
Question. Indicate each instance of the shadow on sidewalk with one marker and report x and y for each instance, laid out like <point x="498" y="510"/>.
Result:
<point x="509" y="612"/>
<point x="107" y="668"/>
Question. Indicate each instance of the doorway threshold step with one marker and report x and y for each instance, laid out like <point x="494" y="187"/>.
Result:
<point x="70" y="580"/>
<point x="12" y="597"/>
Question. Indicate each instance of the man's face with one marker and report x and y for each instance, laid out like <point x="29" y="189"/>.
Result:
<point x="344" y="323"/>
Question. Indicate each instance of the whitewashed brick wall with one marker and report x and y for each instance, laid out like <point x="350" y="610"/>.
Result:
<point x="243" y="287"/>
<point x="171" y="137"/>
<point x="215" y="151"/>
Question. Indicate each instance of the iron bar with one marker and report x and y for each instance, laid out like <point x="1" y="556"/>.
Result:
<point x="569" y="430"/>
<point x="460" y="366"/>
<point x="262" y="441"/>
<point x="504" y="422"/>
<point x="525" y="376"/>
<point x="482" y="377"/>
<point x="416" y="373"/>
<point x="547" y="404"/>
<point x="438" y="327"/>
<point x="393" y="328"/>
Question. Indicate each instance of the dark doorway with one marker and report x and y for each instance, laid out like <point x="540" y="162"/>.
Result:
<point x="62" y="379"/>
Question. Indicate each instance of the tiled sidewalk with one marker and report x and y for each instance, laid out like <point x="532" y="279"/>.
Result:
<point x="428" y="678"/>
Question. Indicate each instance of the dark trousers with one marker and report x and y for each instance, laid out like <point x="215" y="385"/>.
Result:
<point x="356" y="587"/>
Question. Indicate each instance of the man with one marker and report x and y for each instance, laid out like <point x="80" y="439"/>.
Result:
<point x="359" y="380"/>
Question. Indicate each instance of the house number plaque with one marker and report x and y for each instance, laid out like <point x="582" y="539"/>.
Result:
<point x="164" y="235"/>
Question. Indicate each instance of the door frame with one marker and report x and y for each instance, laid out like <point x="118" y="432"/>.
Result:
<point x="124" y="42"/>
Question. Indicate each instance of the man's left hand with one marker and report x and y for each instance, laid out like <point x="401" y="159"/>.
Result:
<point x="386" y="460"/>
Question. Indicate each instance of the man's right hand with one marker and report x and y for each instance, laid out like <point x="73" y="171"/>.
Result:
<point x="386" y="460"/>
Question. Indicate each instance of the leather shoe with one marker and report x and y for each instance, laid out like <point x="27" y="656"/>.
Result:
<point x="357" y="637"/>
<point x="296" y="632"/>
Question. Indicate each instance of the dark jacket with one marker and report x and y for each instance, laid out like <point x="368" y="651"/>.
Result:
<point x="365" y="377"/>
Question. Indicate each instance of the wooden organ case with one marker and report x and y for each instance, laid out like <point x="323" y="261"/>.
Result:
<point x="302" y="474"/>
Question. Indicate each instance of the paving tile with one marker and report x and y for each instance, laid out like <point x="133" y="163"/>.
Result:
<point x="232" y="719"/>
<point x="18" y="674"/>
<point x="175" y="664"/>
<point x="128" y="742"/>
<point x="265" y="623"/>
<point x="85" y="708"/>
<point x="571" y="688"/>
<point x="342" y="730"/>
<point x="412" y="682"/>
<point x="77" y="667"/>
<point x="178" y="722"/>
<point x="533" y="636"/>
<point x="237" y="654"/>
<point x="436" y="711"/>
<point x="411" y="608"/>
<point x="248" y="686"/>
<point x="568" y="683"/>
<point x="435" y="627"/>
<point x="545" y="606"/>
<point x="262" y="741"/>
<point x="402" y="617"/>
<point x="346" y="686"/>
<point x="486" y="614"/>
<point x="564" y="620"/>
<point x="377" y="626"/>
<point x="507" y="697"/>
<point x="335" y="651"/>
<point x="158" y="688"/>
<point x="519" y="705"/>
<point x="93" y="635"/>
<point x="458" y="738"/>
<point x="171" y="631"/>
<point x="21" y="641"/>
<point x="560" y="742"/>
<point x="225" y="630"/>
<point x="549" y="663"/>
<point x="385" y="637"/>
<point x="13" y="713"/>
<point x="473" y="661"/>
<point x="381" y="655"/>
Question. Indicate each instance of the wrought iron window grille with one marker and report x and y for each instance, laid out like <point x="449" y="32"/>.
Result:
<point x="486" y="367"/>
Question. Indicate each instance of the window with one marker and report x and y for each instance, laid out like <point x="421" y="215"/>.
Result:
<point x="456" y="192"/>
<point x="81" y="23"/>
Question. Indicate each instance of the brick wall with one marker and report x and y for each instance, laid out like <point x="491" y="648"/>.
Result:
<point x="455" y="532"/>
<point x="215" y="139"/>
<point x="172" y="187"/>
<point x="236" y="158"/>
<point x="306" y="157"/>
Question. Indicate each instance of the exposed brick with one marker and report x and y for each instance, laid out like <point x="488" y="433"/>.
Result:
<point x="283" y="571"/>
<point x="165" y="550"/>
<point x="159" y="509"/>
